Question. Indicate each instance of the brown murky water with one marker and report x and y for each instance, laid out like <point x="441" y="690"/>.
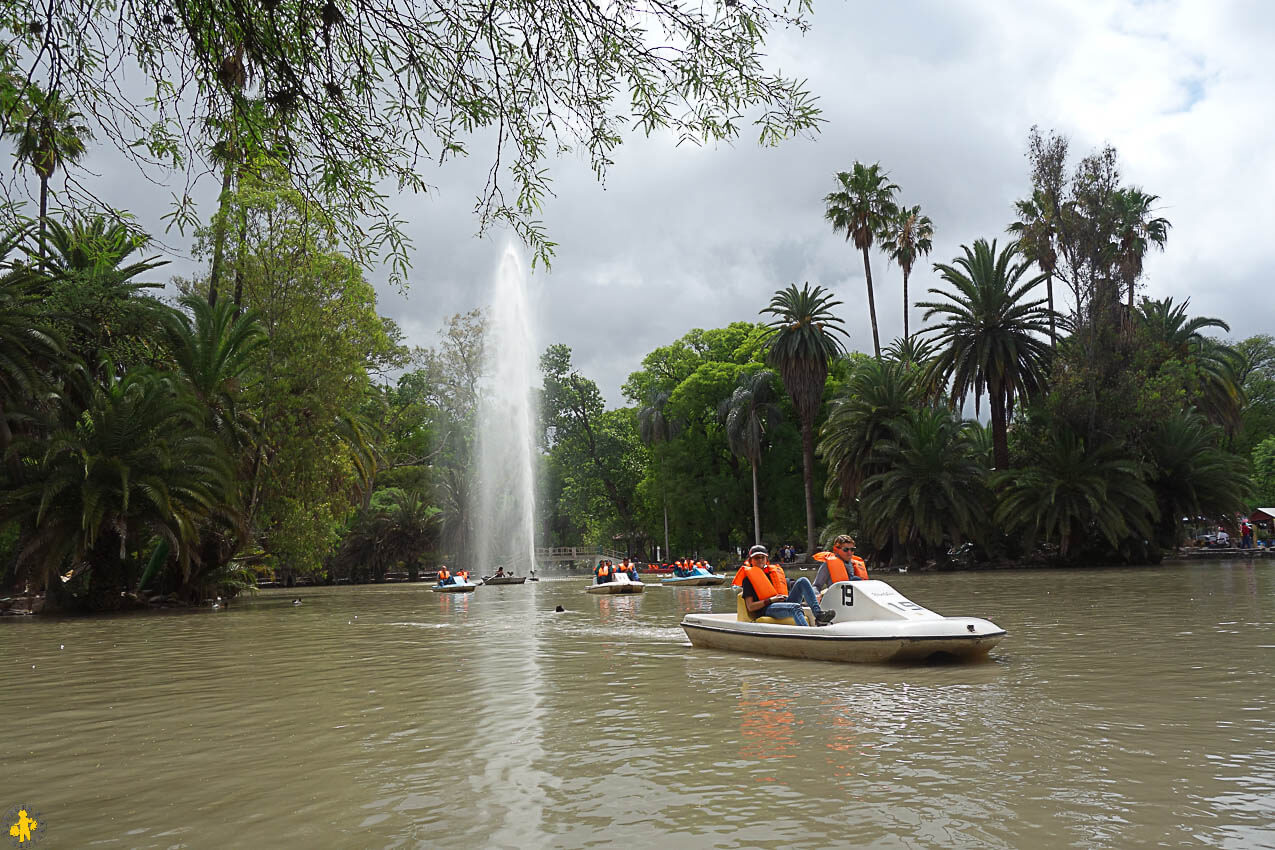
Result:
<point x="1127" y="708"/>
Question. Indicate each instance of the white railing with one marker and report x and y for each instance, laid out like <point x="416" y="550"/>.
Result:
<point x="576" y="553"/>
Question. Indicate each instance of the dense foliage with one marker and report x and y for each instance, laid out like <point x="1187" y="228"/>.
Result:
<point x="267" y="421"/>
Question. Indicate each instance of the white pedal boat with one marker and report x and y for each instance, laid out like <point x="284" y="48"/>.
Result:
<point x="700" y="577"/>
<point x="459" y="586"/>
<point x="874" y="623"/>
<point x="618" y="584"/>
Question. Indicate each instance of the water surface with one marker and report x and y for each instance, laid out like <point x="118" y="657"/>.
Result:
<point x="1125" y="708"/>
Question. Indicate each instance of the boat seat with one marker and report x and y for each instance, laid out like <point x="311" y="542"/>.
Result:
<point x="742" y="615"/>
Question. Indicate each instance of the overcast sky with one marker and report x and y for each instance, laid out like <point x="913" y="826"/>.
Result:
<point x="942" y="94"/>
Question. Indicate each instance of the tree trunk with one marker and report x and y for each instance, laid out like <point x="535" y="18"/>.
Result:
<point x="756" y="509"/>
<point x="872" y="311"/>
<point x="219" y="234"/>
<point x="44" y="217"/>
<point x="906" y="337"/>
<point x="1049" y="291"/>
<point x="808" y="466"/>
<point x="666" y="527"/>
<point x="664" y="499"/>
<point x="1000" y="442"/>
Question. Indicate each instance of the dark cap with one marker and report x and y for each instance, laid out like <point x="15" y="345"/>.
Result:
<point x="758" y="550"/>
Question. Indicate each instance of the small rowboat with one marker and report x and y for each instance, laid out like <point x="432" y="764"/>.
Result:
<point x="699" y="577"/>
<point x="459" y="586"/>
<point x="618" y="584"/>
<point x="874" y="623"/>
<point x="504" y="579"/>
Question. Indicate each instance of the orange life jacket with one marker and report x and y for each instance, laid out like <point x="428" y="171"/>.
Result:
<point x="444" y="575"/>
<point x="756" y="577"/>
<point x="775" y="573"/>
<point x="603" y="570"/>
<point x="837" y="567"/>
<point x="463" y="574"/>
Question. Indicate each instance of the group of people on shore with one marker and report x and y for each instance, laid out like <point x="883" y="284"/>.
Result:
<point x="768" y="593"/>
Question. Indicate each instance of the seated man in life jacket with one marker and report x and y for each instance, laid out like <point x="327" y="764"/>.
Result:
<point x="629" y="569"/>
<point x="445" y="576"/>
<point x="766" y="592"/>
<point x="799" y="590"/>
<point x="602" y="574"/>
<point x="841" y="564"/>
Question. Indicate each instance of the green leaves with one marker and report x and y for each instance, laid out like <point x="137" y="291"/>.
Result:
<point x="356" y="92"/>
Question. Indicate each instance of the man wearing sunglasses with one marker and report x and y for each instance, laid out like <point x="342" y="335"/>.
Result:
<point x="841" y="564"/>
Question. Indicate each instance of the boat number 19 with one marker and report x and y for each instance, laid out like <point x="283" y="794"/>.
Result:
<point x="847" y="595"/>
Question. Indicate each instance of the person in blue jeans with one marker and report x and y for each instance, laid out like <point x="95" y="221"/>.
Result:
<point x="800" y="592"/>
<point x="782" y="600"/>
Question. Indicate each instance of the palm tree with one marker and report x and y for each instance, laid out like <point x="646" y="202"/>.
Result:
<point x="1217" y="365"/>
<point x="878" y="392"/>
<point x="988" y="339"/>
<point x="862" y="204"/>
<point x="136" y="464"/>
<point x="92" y="273"/>
<point x="800" y="345"/>
<point x="1191" y="476"/>
<point x="906" y="236"/>
<point x="49" y="138"/>
<point x="910" y="351"/>
<point x="654" y="427"/>
<point x="749" y="413"/>
<point x="407" y="529"/>
<point x="212" y="349"/>
<point x="1137" y="230"/>
<point x="930" y="487"/>
<point x="1167" y="323"/>
<point x="29" y="347"/>
<point x="1037" y="233"/>
<point x="1071" y="490"/>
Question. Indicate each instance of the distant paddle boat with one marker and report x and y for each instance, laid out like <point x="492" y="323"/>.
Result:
<point x="695" y="577"/>
<point x="619" y="583"/>
<point x="874" y="623"/>
<point x="504" y="579"/>
<point x="458" y="585"/>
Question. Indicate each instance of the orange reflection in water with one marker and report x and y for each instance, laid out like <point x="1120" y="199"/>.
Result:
<point x="766" y="723"/>
<point x="454" y="603"/>
<point x="617" y="609"/>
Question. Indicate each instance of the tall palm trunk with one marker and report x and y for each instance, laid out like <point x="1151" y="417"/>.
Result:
<point x="808" y="476"/>
<point x="906" y="337"/>
<point x="1000" y="441"/>
<point x="219" y="234"/>
<point x="756" y="506"/>
<point x="44" y="217"/>
<point x="664" y="499"/>
<point x="872" y="310"/>
<point x="1049" y="292"/>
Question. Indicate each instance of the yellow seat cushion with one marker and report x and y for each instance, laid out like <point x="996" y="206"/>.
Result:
<point x="742" y="615"/>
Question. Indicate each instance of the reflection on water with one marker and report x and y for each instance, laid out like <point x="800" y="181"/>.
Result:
<point x="1126" y="708"/>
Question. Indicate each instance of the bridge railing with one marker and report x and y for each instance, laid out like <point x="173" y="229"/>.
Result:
<point x="576" y="553"/>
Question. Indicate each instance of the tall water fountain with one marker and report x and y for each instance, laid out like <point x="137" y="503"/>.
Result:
<point x="506" y="444"/>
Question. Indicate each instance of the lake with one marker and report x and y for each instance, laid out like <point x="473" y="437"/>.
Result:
<point x="1126" y="708"/>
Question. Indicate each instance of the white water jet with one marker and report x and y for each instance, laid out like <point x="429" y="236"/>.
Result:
<point x="506" y="438"/>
